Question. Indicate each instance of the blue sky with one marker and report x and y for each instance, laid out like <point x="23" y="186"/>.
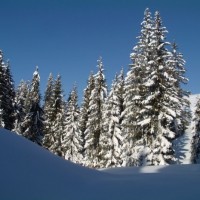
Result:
<point x="68" y="36"/>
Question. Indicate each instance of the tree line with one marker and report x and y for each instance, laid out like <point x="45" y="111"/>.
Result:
<point x="133" y="123"/>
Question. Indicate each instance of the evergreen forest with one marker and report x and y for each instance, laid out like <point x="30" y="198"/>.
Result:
<point x="133" y="122"/>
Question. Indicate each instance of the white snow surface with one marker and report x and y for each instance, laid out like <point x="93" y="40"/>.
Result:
<point x="31" y="172"/>
<point x="183" y="143"/>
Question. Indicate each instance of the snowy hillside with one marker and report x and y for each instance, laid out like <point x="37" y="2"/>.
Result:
<point x="30" y="172"/>
<point x="183" y="143"/>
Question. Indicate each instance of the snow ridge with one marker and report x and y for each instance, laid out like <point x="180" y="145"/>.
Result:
<point x="30" y="172"/>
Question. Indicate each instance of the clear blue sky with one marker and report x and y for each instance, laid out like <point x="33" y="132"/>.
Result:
<point x="68" y="36"/>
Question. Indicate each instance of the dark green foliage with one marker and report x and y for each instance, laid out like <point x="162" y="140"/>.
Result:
<point x="7" y="95"/>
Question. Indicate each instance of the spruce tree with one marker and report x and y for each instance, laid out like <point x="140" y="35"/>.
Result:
<point x="2" y="91"/>
<point x="95" y="121"/>
<point x="163" y="98"/>
<point x="33" y="121"/>
<point x="55" y="137"/>
<point x="141" y="58"/>
<point x="72" y="142"/>
<point x="152" y="101"/>
<point x="84" y="110"/>
<point x="54" y="116"/>
<point x="7" y="95"/>
<point x="182" y="107"/>
<point x="20" y="106"/>
<point x="48" y="104"/>
<point x="111" y="139"/>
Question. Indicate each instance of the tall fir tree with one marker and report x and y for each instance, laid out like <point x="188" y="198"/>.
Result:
<point x="94" y="125"/>
<point x="48" y="105"/>
<point x="183" y="114"/>
<point x="111" y="139"/>
<point x="72" y="142"/>
<point x="54" y="116"/>
<point x="135" y="90"/>
<point x="33" y="121"/>
<point x="155" y="96"/>
<point x="20" y="106"/>
<point x="84" y="110"/>
<point x="7" y="95"/>
<point x="163" y="98"/>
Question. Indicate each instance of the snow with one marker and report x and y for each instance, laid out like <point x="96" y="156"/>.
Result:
<point x="149" y="83"/>
<point x="31" y="172"/>
<point x="144" y="122"/>
<point x="183" y="143"/>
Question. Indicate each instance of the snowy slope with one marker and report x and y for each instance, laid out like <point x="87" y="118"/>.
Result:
<point x="183" y="143"/>
<point x="30" y="172"/>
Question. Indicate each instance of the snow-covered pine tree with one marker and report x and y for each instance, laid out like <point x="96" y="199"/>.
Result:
<point x="160" y="83"/>
<point x="55" y="137"/>
<point x="72" y="142"/>
<point x="48" y="91"/>
<point x="134" y="92"/>
<point x="182" y="106"/>
<point x="48" y="105"/>
<point x="111" y="139"/>
<point x="195" y="144"/>
<point x="7" y="95"/>
<point x="152" y="97"/>
<point x="54" y="117"/>
<point x="94" y="125"/>
<point x="33" y="121"/>
<point x="84" y="110"/>
<point x="162" y="100"/>
<point x="20" y="106"/>
<point x="10" y="98"/>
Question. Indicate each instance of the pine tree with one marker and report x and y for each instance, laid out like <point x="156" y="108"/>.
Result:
<point x="84" y="110"/>
<point x="111" y="139"/>
<point x="152" y="101"/>
<point x="55" y="137"/>
<point x="33" y="122"/>
<point x="48" y="104"/>
<point x="49" y="91"/>
<point x="20" y="106"/>
<point x="182" y="107"/>
<point x="72" y="142"/>
<point x="94" y="124"/>
<point x="54" y="116"/>
<point x="164" y="98"/>
<point x="141" y="58"/>
<point x="7" y="95"/>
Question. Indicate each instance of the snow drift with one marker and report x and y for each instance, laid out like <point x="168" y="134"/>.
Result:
<point x="30" y="172"/>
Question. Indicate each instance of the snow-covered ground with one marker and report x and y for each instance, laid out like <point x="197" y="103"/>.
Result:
<point x="183" y="143"/>
<point x="29" y="172"/>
